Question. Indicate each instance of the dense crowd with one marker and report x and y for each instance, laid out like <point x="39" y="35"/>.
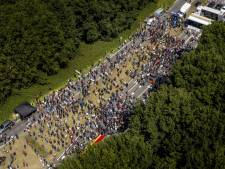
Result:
<point x="102" y="101"/>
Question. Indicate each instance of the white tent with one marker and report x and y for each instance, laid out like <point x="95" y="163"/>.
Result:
<point x="184" y="9"/>
<point x="200" y="19"/>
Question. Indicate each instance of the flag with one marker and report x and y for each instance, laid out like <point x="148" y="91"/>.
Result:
<point x="99" y="139"/>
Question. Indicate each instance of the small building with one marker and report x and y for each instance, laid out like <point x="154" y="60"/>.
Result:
<point x="25" y="110"/>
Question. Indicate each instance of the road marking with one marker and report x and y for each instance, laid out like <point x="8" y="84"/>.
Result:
<point x="135" y="84"/>
<point x="131" y="84"/>
<point x="142" y="92"/>
<point x="130" y="81"/>
<point x="187" y="40"/>
<point x="64" y="152"/>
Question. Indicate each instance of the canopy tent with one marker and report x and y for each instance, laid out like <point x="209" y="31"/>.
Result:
<point x="25" y="110"/>
<point x="200" y="19"/>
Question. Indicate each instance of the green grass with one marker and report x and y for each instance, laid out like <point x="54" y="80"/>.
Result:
<point x="37" y="147"/>
<point x="89" y="54"/>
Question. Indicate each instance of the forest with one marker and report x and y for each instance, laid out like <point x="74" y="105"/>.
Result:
<point x="182" y="125"/>
<point x="40" y="37"/>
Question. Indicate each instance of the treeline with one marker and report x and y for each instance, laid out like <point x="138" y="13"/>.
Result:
<point x="39" y="37"/>
<point x="183" y="123"/>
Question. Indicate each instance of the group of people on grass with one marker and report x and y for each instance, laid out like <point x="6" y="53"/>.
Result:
<point x="102" y="101"/>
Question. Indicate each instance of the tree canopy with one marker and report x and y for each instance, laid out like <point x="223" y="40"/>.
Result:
<point x="114" y="153"/>
<point x="39" y="37"/>
<point x="182" y="125"/>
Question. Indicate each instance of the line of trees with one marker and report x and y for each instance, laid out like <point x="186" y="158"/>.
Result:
<point x="39" y="37"/>
<point x="183" y="123"/>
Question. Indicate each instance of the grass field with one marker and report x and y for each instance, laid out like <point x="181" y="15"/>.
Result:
<point x="35" y="146"/>
<point x="31" y="159"/>
<point x="89" y="54"/>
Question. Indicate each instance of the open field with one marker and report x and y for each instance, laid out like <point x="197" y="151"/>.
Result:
<point x="89" y="55"/>
<point x="23" y="152"/>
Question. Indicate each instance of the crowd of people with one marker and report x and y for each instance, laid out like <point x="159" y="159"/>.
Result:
<point x="100" y="102"/>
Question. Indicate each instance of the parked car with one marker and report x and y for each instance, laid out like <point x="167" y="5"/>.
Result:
<point x="6" y="125"/>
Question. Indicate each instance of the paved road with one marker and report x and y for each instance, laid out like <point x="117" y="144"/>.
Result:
<point x="177" y="5"/>
<point x="134" y="88"/>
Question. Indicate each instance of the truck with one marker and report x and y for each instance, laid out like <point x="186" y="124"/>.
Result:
<point x="184" y="9"/>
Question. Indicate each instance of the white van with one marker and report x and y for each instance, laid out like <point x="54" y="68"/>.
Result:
<point x="184" y="9"/>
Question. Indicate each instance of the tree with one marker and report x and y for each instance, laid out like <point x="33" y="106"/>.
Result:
<point x="125" y="150"/>
<point x="39" y="37"/>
